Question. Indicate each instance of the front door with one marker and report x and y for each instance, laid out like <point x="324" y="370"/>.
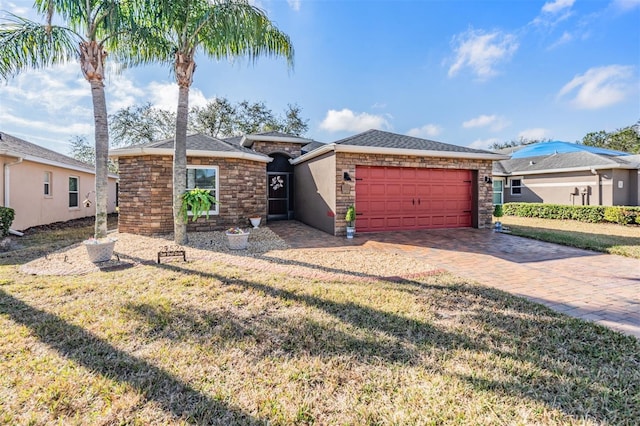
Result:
<point x="279" y="193"/>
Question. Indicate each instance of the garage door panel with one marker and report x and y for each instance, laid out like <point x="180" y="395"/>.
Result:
<point x="390" y="198"/>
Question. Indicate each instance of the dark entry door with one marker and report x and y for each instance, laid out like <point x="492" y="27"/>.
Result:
<point x="278" y="195"/>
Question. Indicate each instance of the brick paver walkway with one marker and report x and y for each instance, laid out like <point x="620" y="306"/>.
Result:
<point x="597" y="287"/>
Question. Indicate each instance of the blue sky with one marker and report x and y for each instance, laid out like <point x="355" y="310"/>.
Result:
<point x="463" y="72"/>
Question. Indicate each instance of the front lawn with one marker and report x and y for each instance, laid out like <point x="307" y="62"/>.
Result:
<point x="603" y="237"/>
<point x="209" y="343"/>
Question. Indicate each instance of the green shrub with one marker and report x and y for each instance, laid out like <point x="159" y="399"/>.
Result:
<point x="6" y="219"/>
<point x="497" y="211"/>
<point x="623" y="215"/>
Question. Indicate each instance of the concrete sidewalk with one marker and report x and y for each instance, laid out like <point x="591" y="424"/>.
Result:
<point x="597" y="287"/>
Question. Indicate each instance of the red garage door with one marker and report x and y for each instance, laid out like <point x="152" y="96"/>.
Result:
<point x="395" y="198"/>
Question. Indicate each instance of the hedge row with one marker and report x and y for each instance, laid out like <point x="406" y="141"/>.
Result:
<point x="6" y="219"/>
<point x="623" y="215"/>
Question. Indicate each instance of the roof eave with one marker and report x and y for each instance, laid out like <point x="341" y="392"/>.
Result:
<point x="565" y="170"/>
<point x="133" y="152"/>
<point x="313" y="154"/>
<point x="356" y="149"/>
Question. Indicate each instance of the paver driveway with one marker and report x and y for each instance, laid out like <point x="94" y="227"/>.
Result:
<point x="598" y="287"/>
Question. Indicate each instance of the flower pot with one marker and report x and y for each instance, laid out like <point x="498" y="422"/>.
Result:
<point x="255" y="221"/>
<point x="99" y="251"/>
<point x="351" y="231"/>
<point x="238" y="241"/>
<point x="498" y="226"/>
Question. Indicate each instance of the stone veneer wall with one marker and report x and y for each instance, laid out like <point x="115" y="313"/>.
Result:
<point x="265" y="147"/>
<point x="346" y="191"/>
<point x="145" y="196"/>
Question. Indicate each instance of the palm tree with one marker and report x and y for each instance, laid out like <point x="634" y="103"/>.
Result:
<point x="92" y="26"/>
<point x="219" y="29"/>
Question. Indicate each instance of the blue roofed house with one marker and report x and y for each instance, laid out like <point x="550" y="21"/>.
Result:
<point x="567" y="173"/>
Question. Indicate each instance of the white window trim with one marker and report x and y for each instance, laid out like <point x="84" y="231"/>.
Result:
<point x="501" y="191"/>
<point x="215" y="210"/>
<point x="49" y="184"/>
<point x="520" y="187"/>
<point x="77" y="178"/>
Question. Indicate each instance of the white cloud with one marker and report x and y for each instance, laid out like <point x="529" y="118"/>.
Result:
<point x="537" y="133"/>
<point x="165" y="96"/>
<point x="16" y="9"/>
<point x="557" y="6"/>
<point x="483" y="143"/>
<point x="426" y="131"/>
<point x="294" y="4"/>
<point x="554" y="12"/>
<point x="565" y="38"/>
<point x="600" y="87"/>
<point x="625" y="5"/>
<point x="122" y="93"/>
<point x="482" y="52"/>
<point x="72" y="128"/>
<point x="379" y="105"/>
<point x="494" y="122"/>
<point x="347" y="120"/>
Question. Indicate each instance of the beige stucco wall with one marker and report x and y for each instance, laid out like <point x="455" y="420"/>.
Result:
<point x="577" y="188"/>
<point x="33" y="208"/>
<point x="315" y="192"/>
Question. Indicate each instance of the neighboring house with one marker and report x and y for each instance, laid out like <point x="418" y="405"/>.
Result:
<point x="396" y="182"/>
<point x="567" y="173"/>
<point x="44" y="186"/>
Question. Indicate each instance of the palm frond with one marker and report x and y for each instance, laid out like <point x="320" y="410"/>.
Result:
<point x="27" y="44"/>
<point x="236" y="28"/>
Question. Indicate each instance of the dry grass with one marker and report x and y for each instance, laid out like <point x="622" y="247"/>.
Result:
<point x="208" y="342"/>
<point x="602" y="237"/>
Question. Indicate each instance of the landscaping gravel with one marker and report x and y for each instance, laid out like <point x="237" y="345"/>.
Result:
<point x="265" y="250"/>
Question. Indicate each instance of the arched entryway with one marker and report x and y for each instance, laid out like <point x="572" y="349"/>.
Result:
<point x="280" y="187"/>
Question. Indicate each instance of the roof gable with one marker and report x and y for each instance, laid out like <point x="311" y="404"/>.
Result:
<point x="17" y="147"/>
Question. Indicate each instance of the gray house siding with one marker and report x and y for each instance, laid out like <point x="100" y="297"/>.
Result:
<point x="315" y="192"/>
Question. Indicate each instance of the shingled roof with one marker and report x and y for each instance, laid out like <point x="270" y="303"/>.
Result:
<point x="16" y="147"/>
<point x="382" y="139"/>
<point x="381" y="142"/>
<point x="197" y="145"/>
<point x="581" y="160"/>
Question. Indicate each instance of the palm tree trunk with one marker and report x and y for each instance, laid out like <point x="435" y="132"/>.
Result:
<point x="180" y="164"/>
<point x="102" y="154"/>
<point x="92" y="63"/>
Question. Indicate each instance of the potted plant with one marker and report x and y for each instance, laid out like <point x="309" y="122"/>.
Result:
<point x="498" y="213"/>
<point x="350" y="218"/>
<point x="237" y="238"/>
<point x="196" y="202"/>
<point x="255" y="221"/>
<point x="100" y="250"/>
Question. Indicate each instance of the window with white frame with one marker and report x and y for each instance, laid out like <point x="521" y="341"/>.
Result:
<point x="47" y="184"/>
<point x="516" y="186"/>
<point x="204" y="177"/>
<point x="74" y="185"/>
<point x="497" y="191"/>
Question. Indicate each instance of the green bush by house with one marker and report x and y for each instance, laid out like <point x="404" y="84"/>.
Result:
<point x="6" y="219"/>
<point x="623" y="215"/>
